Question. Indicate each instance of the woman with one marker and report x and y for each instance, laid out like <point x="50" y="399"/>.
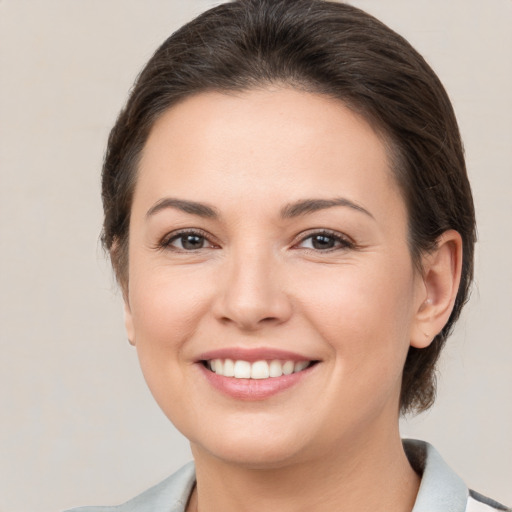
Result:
<point x="289" y="217"/>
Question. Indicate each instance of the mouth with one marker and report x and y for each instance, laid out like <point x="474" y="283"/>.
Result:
<point x="256" y="370"/>
<point x="256" y="373"/>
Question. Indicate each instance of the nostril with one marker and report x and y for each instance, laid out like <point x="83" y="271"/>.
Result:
<point x="269" y="319"/>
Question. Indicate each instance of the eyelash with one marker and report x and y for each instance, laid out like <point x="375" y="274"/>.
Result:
<point x="166" y="242"/>
<point x="342" y="241"/>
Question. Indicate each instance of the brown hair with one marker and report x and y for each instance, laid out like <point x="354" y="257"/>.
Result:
<point x="328" y="48"/>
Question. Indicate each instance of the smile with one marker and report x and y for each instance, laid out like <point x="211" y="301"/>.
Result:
<point x="259" y="370"/>
<point x="255" y="373"/>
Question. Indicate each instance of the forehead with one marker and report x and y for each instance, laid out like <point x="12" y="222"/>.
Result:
<point x="259" y="143"/>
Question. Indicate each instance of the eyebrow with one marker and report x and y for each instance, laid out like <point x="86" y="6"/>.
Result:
<point x="192" y="207"/>
<point x="306" y="206"/>
<point x="296" y="209"/>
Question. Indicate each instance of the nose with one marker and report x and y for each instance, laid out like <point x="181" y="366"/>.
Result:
<point x="252" y="293"/>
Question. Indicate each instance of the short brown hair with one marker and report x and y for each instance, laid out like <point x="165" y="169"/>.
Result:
<point x="328" y="48"/>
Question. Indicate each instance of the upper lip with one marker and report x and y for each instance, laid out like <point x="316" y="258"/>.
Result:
<point x="252" y="354"/>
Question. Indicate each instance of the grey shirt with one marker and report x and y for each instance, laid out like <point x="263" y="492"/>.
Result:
<point x="441" y="490"/>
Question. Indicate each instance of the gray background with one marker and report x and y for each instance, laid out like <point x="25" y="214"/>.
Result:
<point x="77" y="424"/>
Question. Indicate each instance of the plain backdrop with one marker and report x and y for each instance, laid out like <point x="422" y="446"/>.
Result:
<point x="77" y="424"/>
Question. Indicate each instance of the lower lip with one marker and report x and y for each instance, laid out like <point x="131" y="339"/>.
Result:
<point x="254" y="389"/>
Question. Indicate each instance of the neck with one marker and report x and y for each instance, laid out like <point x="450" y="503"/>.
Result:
<point x="371" y="474"/>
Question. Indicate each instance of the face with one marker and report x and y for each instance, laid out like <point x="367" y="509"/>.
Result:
<point x="271" y="292"/>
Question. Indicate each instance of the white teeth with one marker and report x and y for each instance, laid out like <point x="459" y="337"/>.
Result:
<point x="217" y="364"/>
<point x="275" y="369"/>
<point x="299" y="366"/>
<point x="258" y="370"/>
<point x="229" y="368"/>
<point x="242" y="370"/>
<point x="288" y="367"/>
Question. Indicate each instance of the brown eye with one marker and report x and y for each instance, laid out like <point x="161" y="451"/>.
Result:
<point x="324" y="242"/>
<point x="188" y="242"/>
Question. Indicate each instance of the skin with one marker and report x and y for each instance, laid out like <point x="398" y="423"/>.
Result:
<point x="256" y="280"/>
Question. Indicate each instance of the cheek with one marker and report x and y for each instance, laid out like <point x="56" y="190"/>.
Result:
<point x="166" y="310"/>
<point x="362" y="295"/>
<point x="166" y="306"/>
<point x="364" y="313"/>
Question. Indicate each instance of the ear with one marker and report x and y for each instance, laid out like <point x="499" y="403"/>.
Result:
<point x="128" y="322"/>
<point x="441" y="278"/>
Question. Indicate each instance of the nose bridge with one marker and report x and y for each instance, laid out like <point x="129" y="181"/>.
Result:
<point x="252" y="293"/>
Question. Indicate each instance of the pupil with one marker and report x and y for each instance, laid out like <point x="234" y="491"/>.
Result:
<point x="323" y="242"/>
<point x="192" y="242"/>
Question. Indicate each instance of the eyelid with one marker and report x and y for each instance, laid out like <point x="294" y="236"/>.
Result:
<point x="345" y="241"/>
<point x="165" y="242"/>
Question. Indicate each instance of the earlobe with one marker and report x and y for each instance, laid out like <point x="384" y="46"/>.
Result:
<point x="128" y="323"/>
<point x="441" y="278"/>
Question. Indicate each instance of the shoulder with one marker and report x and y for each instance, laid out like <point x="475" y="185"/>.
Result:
<point x="479" y="503"/>
<point x="441" y="489"/>
<point x="171" y="495"/>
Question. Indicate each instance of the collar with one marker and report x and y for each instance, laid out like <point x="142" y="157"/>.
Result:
<point x="171" y="495"/>
<point x="441" y="490"/>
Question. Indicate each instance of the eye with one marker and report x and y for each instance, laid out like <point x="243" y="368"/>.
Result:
<point x="325" y="241"/>
<point x="186" y="241"/>
<point x="189" y="242"/>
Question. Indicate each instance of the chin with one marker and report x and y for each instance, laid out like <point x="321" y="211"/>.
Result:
<point x="251" y="449"/>
<point x="253" y="457"/>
